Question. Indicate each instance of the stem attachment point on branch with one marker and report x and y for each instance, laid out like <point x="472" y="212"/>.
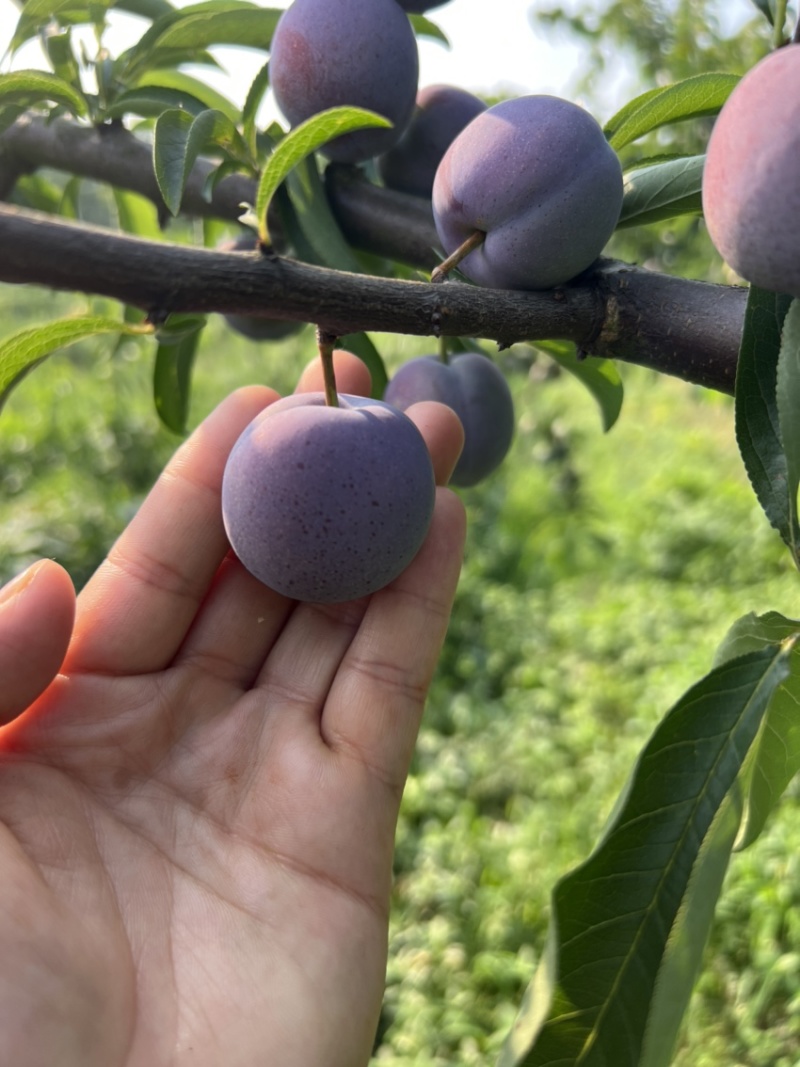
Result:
<point x="327" y="343"/>
<point x="475" y="240"/>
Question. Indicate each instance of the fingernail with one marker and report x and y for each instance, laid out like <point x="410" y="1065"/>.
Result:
<point x="18" y="584"/>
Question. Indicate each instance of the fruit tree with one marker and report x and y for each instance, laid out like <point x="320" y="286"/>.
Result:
<point x="380" y="205"/>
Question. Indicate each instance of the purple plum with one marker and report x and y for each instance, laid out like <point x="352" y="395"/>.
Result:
<point x="331" y="53"/>
<point x="538" y="177"/>
<point x="751" y="177"/>
<point x="476" y="390"/>
<point x="327" y="504"/>
<point x="441" y="113"/>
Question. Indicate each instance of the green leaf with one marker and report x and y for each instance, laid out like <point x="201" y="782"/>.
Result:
<point x="37" y="14"/>
<point x="137" y="215"/>
<point x="600" y="376"/>
<point x="423" y="27"/>
<point x="662" y="191"/>
<point x="313" y="215"/>
<point x="185" y="85"/>
<point x="151" y="50"/>
<point x="756" y="410"/>
<point x="32" y="86"/>
<point x="628" y="924"/>
<point x="62" y="58"/>
<point x="9" y="115"/>
<point x="178" y="326"/>
<point x="146" y="9"/>
<point x="300" y="142"/>
<point x="178" y="140"/>
<point x="255" y="94"/>
<point x="765" y="7"/>
<point x="32" y="190"/>
<point x="695" y="97"/>
<point x="776" y="758"/>
<point x="788" y="400"/>
<point x="23" y="350"/>
<point x="151" y="101"/>
<point x="361" y="345"/>
<point x="172" y="381"/>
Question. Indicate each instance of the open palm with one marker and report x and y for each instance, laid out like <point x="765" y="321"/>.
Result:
<point x="197" y="814"/>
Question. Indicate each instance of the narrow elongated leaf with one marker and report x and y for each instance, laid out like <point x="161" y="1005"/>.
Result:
<point x="177" y="79"/>
<point x="756" y="409"/>
<point x="423" y="27"/>
<point x="178" y="140"/>
<point x="255" y="94"/>
<point x="172" y="381"/>
<point x="300" y="142"/>
<point x="662" y="191"/>
<point x="788" y="399"/>
<point x="146" y="9"/>
<point x="600" y="376"/>
<point x="136" y="214"/>
<point x="361" y="345"/>
<point x="776" y="758"/>
<point x="62" y="58"/>
<point x="185" y="85"/>
<point x="700" y="95"/>
<point x="150" y="101"/>
<point x="32" y="86"/>
<point x="247" y="26"/>
<point x="145" y="53"/>
<point x="37" y="14"/>
<point x="610" y="970"/>
<point x="315" y="218"/>
<point x="765" y="7"/>
<point x="9" y="115"/>
<point x="23" y="350"/>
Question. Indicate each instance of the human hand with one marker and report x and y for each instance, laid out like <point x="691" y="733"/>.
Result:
<point x="197" y="813"/>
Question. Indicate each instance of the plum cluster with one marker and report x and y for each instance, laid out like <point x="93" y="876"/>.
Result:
<point x="331" y="502"/>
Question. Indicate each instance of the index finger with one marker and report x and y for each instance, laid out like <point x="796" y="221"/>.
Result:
<point x="137" y="608"/>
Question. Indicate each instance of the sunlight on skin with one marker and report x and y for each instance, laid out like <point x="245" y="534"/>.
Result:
<point x="198" y="812"/>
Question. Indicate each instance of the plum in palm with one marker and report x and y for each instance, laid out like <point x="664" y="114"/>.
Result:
<point x="476" y="390"/>
<point x="332" y="53"/>
<point x="325" y="503"/>
<point x="441" y="113"/>
<point x="751" y="177"/>
<point x="535" y="180"/>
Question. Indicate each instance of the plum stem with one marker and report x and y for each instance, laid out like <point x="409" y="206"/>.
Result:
<point x="444" y="353"/>
<point x="796" y="35"/>
<point x="326" y="343"/>
<point x="475" y="240"/>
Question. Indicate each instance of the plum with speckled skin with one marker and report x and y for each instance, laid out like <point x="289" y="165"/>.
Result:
<point x="538" y="177"/>
<point x="476" y="390"/>
<point x="327" y="504"/>
<point x="751" y="177"/>
<point x="441" y="113"/>
<point x="332" y="53"/>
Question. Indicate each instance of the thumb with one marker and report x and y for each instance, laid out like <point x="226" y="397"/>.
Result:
<point x="37" y="611"/>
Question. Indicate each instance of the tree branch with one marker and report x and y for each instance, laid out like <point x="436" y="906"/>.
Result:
<point x="679" y="327"/>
